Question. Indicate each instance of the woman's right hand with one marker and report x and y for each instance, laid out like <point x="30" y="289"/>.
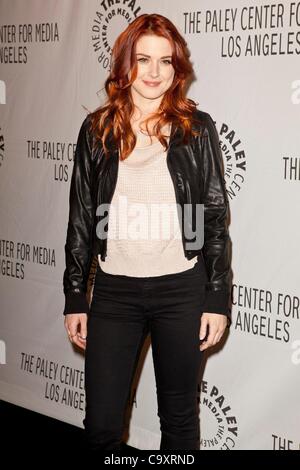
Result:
<point x="76" y="326"/>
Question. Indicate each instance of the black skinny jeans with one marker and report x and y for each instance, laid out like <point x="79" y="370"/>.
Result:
<point x="124" y="310"/>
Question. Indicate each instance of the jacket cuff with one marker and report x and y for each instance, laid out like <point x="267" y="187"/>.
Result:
<point x="218" y="302"/>
<point x="76" y="302"/>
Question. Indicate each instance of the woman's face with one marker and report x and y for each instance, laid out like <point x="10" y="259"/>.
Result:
<point x="155" y="71"/>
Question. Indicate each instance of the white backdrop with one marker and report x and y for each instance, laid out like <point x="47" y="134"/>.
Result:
<point x="54" y="58"/>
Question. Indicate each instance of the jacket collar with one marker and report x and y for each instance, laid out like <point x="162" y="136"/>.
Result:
<point x="175" y="138"/>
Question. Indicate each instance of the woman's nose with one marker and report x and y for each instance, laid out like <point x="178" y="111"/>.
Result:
<point x="154" y="69"/>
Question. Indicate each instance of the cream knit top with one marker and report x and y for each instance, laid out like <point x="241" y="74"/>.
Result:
<point x="144" y="237"/>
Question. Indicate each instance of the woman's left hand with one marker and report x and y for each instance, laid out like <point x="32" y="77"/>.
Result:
<point x="213" y="326"/>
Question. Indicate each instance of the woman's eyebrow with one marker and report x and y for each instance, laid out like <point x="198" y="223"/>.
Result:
<point x="146" y="55"/>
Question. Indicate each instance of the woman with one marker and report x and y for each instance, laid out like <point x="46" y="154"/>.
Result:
<point x="147" y="146"/>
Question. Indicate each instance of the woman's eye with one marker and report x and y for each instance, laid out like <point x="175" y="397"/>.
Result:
<point x="144" y="59"/>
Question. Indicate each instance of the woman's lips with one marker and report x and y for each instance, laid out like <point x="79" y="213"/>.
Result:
<point x="152" y="84"/>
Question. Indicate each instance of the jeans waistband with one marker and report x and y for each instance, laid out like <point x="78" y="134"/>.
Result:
<point x="197" y="269"/>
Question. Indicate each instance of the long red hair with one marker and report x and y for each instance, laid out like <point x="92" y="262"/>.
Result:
<point x="174" y="108"/>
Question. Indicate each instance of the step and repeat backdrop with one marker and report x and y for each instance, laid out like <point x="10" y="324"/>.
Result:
<point x="54" y="58"/>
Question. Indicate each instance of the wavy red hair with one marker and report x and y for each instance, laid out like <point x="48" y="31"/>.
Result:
<point x="174" y="108"/>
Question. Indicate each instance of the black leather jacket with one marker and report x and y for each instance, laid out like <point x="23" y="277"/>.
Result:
<point x="197" y="175"/>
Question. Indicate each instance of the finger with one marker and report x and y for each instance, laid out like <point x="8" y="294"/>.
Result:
<point x="217" y="337"/>
<point x="72" y="337"/>
<point x="221" y="331"/>
<point x="76" y="340"/>
<point x="209" y="342"/>
<point x="72" y="333"/>
<point x="83" y="330"/>
<point x="203" y="328"/>
<point x="67" y="329"/>
<point x="71" y="330"/>
<point x="203" y="346"/>
<point x="72" y="327"/>
<point x="82" y="337"/>
<point x="67" y="323"/>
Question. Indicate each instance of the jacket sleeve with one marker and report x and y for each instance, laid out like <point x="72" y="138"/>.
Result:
<point x="78" y="249"/>
<point x="216" y="247"/>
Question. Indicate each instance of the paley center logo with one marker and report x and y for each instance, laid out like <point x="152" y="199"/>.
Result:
<point x="219" y="426"/>
<point x="234" y="158"/>
<point x="112" y="17"/>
